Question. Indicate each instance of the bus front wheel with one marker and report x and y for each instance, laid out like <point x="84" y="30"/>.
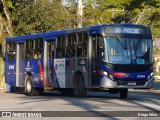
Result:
<point x="123" y="93"/>
<point x="79" y="86"/>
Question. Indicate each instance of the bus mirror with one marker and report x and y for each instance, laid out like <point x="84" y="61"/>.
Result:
<point x="102" y="53"/>
<point x="101" y="44"/>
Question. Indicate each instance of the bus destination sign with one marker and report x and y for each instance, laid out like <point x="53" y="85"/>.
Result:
<point x="124" y="30"/>
<point x="127" y="30"/>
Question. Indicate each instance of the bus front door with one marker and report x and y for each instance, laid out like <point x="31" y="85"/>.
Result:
<point x="93" y="61"/>
<point x="49" y="44"/>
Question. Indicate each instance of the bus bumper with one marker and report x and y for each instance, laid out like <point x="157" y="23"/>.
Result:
<point x="107" y="83"/>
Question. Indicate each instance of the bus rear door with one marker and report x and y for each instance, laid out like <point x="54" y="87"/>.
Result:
<point x="49" y="73"/>
<point x="20" y="76"/>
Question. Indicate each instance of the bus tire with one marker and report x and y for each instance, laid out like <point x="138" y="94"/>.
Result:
<point x="123" y="93"/>
<point x="29" y="89"/>
<point x="79" y="86"/>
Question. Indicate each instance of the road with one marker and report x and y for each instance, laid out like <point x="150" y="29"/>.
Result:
<point x="97" y="103"/>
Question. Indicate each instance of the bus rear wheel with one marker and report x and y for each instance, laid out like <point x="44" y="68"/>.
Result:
<point x="123" y="93"/>
<point x="79" y="86"/>
<point x="30" y="90"/>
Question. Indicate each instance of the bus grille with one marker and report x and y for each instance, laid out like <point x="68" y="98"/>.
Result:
<point x="129" y="68"/>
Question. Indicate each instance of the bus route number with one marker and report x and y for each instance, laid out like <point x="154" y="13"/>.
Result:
<point x="127" y="30"/>
<point x="11" y="67"/>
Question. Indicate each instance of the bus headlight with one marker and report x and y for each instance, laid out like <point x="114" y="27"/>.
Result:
<point x="105" y="73"/>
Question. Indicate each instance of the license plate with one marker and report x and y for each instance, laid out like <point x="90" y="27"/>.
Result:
<point x="131" y="83"/>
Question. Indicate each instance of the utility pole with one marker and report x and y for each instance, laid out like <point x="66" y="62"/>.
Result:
<point x="80" y="13"/>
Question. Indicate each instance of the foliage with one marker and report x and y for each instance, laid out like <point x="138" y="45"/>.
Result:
<point x="35" y="16"/>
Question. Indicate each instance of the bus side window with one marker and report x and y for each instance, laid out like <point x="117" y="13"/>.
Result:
<point x="50" y="49"/>
<point x="29" y="49"/>
<point x="82" y="44"/>
<point x="60" y="47"/>
<point x="11" y="51"/>
<point x="38" y="45"/>
<point x="70" y="46"/>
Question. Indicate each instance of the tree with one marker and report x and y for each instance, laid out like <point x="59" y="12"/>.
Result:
<point x="6" y="29"/>
<point x="41" y="16"/>
<point x="144" y="12"/>
<point x="6" y="22"/>
<point x="35" y="16"/>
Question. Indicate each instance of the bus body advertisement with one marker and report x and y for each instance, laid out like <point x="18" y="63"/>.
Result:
<point x="110" y="58"/>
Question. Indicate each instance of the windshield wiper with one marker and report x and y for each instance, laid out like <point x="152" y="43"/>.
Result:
<point x="135" y="49"/>
<point x="138" y="43"/>
<point x="119" y="40"/>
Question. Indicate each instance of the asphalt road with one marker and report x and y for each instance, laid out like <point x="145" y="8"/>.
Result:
<point x="97" y="103"/>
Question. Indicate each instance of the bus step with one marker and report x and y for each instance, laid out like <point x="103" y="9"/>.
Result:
<point x="48" y="88"/>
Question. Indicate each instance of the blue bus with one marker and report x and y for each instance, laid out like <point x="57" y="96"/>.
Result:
<point x="108" y="57"/>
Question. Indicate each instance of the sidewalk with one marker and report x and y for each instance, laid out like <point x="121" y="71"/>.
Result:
<point x="156" y="84"/>
<point x="156" y="87"/>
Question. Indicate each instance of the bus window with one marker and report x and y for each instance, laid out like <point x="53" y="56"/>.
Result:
<point x="70" y="46"/>
<point x="29" y="49"/>
<point x="50" y="50"/>
<point x="38" y="45"/>
<point x="60" y="47"/>
<point x="11" y="51"/>
<point x="82" y="44"/>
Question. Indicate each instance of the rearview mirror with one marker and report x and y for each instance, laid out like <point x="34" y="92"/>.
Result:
<point x="101" y="44"/>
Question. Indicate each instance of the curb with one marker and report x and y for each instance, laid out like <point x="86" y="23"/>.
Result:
<point x="2" y="91"/>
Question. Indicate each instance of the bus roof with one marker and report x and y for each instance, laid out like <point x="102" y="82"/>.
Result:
<point x="99" y="28"/>
<point x="32" y="36"/>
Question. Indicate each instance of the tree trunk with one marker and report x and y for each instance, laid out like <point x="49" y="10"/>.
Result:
<point x="1" y="25"/>
<point x="8" y="24"/>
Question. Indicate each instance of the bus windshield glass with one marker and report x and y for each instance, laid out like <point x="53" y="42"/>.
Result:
<point x="127" y="50"/>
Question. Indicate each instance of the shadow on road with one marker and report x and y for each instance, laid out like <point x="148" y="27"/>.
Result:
<point x="135" y="98"/>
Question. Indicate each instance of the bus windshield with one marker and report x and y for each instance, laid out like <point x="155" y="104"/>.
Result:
<point x="127" y="50"/>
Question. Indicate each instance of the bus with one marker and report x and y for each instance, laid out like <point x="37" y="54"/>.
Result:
<point x="109" y="57"/>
